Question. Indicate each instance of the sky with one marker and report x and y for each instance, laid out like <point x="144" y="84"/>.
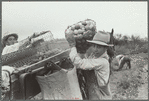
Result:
<point x="25" y="18"/>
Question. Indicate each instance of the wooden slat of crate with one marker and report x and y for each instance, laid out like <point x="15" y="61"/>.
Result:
<point x="22" y="62"/>
<point x="17" y="55"/>
<point x="54" y="58"/>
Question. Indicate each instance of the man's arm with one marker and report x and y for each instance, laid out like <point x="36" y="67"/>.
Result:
<point x="28" y="41"/>
<point x="85" y="63"/>
<point x="24" y="43"/>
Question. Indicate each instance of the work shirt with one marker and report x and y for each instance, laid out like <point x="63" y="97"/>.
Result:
<point x="16" y="46"/>
<point x="5" y="75"/>
<point x="101" y="68"/>
<point x="11" y="48"/>
<point x="119" y="58"/>
<point x="100" y="65"/>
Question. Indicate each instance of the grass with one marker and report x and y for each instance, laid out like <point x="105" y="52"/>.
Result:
<point x="131" y="49"/>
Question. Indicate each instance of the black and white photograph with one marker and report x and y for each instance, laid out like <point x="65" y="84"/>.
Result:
<point x="74" y="50"/>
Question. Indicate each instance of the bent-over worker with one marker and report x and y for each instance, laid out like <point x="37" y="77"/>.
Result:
<point x="122" y="59"/>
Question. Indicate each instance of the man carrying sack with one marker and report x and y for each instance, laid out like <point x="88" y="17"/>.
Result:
<point x="97" y="64"/>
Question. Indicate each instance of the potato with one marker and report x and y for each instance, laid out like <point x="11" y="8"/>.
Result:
<point x="73" y="27"/>
<point x="87" y="27"/>
<point x="88" y="22"/>
<point x="86" y="34"/>
<point x="67" y="31"/>
<point x="75" y="36"/>
<point x="80" y="36"/>
<point x="76" y="32"/>
<point x="84" y="23"/>
<point x="83" y="29"/>
<point x="77" y="26"/>
<point x="80" y="31"/>
<point x="82" y="26"/>
<point x="71" y="32"/>
<point x="93" y="28"/>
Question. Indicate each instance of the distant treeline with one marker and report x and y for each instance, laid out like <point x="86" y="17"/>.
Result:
<point x="120" y="39"/>
<point x="130" y="45"/>
<point x="125" y="44"/>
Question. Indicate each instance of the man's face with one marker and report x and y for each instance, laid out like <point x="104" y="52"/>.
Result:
<point x="99" y="50"/>
<point x="11" y="40"/>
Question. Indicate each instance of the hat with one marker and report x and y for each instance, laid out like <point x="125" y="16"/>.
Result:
<point x="101" y="38"/>
<point x="6" y="35"/>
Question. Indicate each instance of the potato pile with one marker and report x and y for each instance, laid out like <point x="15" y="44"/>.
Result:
<point x="82" y="31"/>
<point x="43" y="55"/>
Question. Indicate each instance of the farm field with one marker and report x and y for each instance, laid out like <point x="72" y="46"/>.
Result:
<point x="131" y="84"/>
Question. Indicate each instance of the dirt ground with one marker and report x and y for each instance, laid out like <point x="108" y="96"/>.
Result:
<point x="124" y="87"/>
